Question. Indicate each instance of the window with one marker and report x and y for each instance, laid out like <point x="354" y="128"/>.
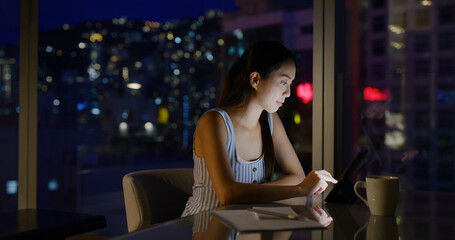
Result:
<point x="422" y="43"/>
<point x="445" y="145"/>
<point x="422" y="120"/>
<point x="422" y="18"/>
<point x="445" y="171"/>
<point x="378" y="71"/>
<point x="9" y="104"/>
<point x="422" y="68"/>
<point x="446" y="119"/>
<point x="446" y="14"/>
<point x="378" y="23"/>
<point x="119" y="94"/>
<point x="419" y="107"/>
<point x="422" y="143"/>
<point x="399" y="19"/>
<point x="379" y="3"/>
<point x="446" y="40"/>
<point x="422" y="94"/>
<point x="378" y="47"/>
<point x="445" y="67"/>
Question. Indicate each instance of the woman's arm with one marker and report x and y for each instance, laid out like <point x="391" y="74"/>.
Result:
<point x="286" y="156"/>
<point x="210" y="144"/>
<point x="314" y="183"/>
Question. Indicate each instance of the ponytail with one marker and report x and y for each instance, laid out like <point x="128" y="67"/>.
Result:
<point x="267" y="146"/>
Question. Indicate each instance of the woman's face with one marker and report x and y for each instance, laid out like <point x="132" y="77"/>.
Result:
<point x="273" y="91"/>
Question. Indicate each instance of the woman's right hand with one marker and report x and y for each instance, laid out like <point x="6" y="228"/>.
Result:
<point x="316" y="182"/>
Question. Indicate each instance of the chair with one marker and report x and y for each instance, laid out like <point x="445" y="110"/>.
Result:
<point x="154" y="196"/>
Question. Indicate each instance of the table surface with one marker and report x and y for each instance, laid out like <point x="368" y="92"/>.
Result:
<point x="46" y="224"/>
<point x="419" y="215"/>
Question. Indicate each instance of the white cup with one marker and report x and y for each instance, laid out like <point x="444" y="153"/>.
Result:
<point x="382" y="194"/>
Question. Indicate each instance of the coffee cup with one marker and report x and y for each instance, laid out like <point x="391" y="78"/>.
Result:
<point x="382" y="194"/>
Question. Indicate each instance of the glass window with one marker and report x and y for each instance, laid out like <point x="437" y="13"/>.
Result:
<point x="446" y="14"/>
<point x="422" y="119"/>
<point x="422" y="68"/>
<point x="446" y="119"/>
<point x="446" y="40"/>
<point x="422" y="94"/>
<point x="399" y="19"/>
<point x="378" y="47"/>
<point x="378" y="71"/>
<point x="9" y="103"/>
<point x="379" y="23"/>
<point x="444" y="172"/>
<point x="445" y="145"/>
<point x="422" y="18"/>
<point x="379" y="4"/>
<point x="446" y="67"/>
<point x="422" y="43"/>
<point x="409" y="128"/>
<point x="121" y="91"/>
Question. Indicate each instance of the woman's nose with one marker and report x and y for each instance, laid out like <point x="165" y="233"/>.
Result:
<point x="287" y="93"/>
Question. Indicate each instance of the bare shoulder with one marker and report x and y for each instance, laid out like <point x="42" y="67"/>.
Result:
<point x="210" y="129"/>
<point x="209" y="120"/>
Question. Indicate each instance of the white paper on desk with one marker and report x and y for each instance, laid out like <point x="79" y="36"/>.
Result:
<point x="248" y="221"/>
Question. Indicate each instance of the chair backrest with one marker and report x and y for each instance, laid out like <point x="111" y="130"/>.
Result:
<point x="154" y="196"/>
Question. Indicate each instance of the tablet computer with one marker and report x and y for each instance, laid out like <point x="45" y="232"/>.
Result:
<point x="343" y="191"/>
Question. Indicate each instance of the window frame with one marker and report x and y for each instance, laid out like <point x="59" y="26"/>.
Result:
<point x="28" y="105"/>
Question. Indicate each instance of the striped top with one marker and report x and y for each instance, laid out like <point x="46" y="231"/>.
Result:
<point x="204" y="197"/>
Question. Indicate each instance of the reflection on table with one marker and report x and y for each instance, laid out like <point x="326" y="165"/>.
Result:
<point x="420" y="215"/>
<point x="46" y="224"/>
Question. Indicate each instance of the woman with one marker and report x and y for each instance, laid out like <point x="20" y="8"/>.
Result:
<point x="237" y="145"/>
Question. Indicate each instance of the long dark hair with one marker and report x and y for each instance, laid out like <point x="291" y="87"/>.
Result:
<point x="264" y="57"/>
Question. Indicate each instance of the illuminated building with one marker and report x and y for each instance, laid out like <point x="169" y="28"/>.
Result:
<point x="412" y="130"/>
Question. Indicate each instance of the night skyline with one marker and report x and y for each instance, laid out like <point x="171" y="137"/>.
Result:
<point x="57" y="13"/>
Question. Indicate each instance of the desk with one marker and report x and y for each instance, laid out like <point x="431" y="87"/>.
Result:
<point x="46" y="224"/>
<point x="419" y="215"/>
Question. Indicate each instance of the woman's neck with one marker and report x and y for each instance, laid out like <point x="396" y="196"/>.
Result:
<point x="246" y="116"/>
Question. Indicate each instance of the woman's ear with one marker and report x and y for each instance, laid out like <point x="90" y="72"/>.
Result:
<point x="255" y="78"/>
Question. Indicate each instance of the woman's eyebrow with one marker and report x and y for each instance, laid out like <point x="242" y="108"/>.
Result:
<point x="285" y="75"/>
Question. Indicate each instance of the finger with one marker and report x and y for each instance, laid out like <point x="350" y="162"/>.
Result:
<point x="326" y="176"/>
<point x="322" y="188"/>
<point x="327" y="179"/>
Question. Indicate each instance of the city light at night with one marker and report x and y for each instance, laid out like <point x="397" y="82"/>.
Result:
<point x="305" y="92"/>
